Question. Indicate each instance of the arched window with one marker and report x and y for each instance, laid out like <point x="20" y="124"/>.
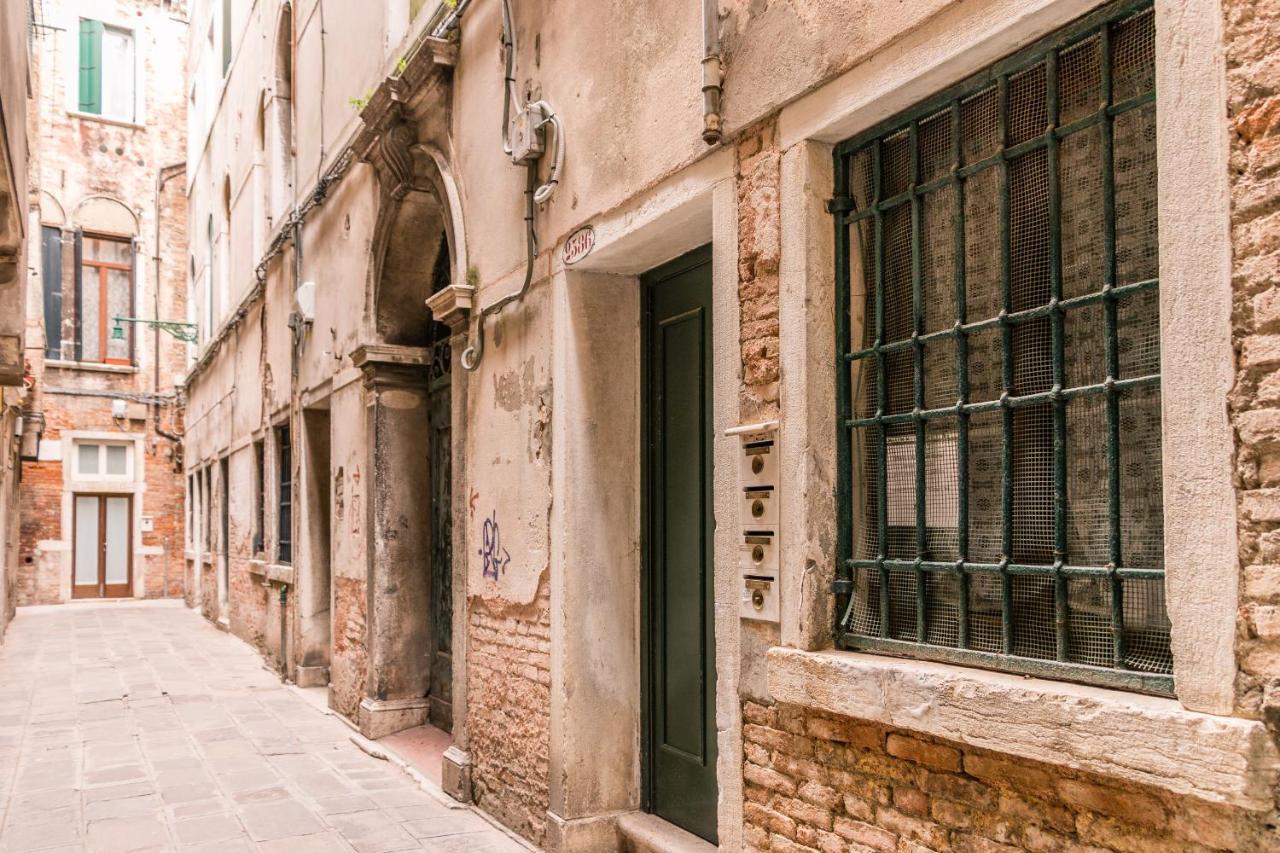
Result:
<point x="282" y="116"/>
<point x="228" y="246"/>
<point x="261" y="190"/>
<point x="210" y="277"/>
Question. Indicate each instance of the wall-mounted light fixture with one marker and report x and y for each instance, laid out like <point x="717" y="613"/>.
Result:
<point x="181" y="331"/>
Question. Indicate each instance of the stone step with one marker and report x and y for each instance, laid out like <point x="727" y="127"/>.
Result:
<point x="645" y="833"/>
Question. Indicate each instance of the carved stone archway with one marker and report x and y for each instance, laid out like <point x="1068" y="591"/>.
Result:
<point x="412" y="401"/>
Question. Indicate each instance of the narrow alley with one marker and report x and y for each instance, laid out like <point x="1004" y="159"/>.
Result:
<point x="139" y="726"/>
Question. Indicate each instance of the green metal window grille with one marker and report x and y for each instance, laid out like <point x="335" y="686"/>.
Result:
<point x="999" y="380"/>
<point x="90" y="66"/>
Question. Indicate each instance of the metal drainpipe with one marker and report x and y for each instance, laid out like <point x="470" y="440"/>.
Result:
<point x="712" y="73"/>
<point x="163" y="176"/>
<point x="284" y="602"/>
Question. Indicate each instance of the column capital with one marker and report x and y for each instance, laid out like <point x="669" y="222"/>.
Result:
<point x="386" y="365"/>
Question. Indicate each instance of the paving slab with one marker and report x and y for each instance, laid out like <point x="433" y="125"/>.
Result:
<point x="131" y="726"/>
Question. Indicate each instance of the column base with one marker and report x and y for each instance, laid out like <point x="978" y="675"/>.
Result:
<point x="455" y="773"/>
<point x="381" y="717"/>
<point x="583" y="834"/>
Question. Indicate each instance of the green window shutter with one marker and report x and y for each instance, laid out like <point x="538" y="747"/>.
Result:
<point x="90" y="66"/>
<point x="226" y="36"/>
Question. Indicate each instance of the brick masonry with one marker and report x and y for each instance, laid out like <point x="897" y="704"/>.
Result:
<point x="75" y="159"/>
<point x="759" y="173"/>
<point x="40" y="571"/>
<point x="350" y="659"/>
<point x="815" y="782"/>
<point x="1252" y="40"/>
<point x="509" y="707"/>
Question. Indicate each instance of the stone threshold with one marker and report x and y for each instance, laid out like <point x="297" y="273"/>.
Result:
<point x="639" y="832"/>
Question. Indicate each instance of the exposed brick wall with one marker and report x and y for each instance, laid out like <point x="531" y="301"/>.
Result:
<point x="815" y="782"/>
<point x="350" y="657"/>
<point x="40" y="510"/>
<point x="759" y="172"/>
<point x="509" y="710"/>
<point x="40" y="572"/>
<point x="1252" y="36"/>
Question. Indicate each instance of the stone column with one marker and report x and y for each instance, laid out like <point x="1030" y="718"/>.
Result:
<point x="398" y="588"/>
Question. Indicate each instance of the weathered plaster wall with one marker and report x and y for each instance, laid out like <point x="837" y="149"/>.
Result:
<point x="633" y="115"/>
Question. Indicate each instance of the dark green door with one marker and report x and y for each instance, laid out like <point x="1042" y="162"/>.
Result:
<point x="680" y="640"/>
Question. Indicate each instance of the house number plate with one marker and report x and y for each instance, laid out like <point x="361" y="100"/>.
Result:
<point x="579" y="245"/>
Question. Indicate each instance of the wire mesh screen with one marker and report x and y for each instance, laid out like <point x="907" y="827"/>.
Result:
<point x="1000" y="384"/>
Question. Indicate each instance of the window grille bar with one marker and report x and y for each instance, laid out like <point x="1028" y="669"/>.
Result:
<point x="882" y="400"/>
<point x="962" y="381"/>
<point x="917" y="329"/>
<point x="1027" y="315"/>
<point x="936" y="566"/>
<point x="1039" y="398"/>
<point x="1112" y="353"/>
<point x="1058" y="361"/>
<point x="1013" y="152"/>
<point x="1006" y="369"/>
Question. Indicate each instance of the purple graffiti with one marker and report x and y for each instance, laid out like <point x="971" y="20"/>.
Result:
<point x="491" y="551"/>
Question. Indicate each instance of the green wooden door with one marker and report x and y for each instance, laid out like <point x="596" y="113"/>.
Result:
<point x="679" y="633"/>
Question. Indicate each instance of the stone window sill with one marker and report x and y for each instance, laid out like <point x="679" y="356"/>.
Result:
<point x="94" y="366"/>
<point x="1141" y="739"/>
<point x="272" y="571"/>
<point x="101" y="119"/>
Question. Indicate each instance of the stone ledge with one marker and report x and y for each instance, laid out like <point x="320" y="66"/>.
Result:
<point x="639" y="832"/>
<point x="1140" y="739"/>
<point x="270" y="572"/>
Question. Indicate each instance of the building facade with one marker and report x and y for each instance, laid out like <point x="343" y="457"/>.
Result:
<point x="829" y="428"/>
<point x="102" y="498"/>
<point x="14" y="88"/>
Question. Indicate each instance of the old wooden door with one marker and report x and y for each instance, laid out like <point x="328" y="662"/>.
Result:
<point x="679" y="632"/>
<point x="440" y="448"/>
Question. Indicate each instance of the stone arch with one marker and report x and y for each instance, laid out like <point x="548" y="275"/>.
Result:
<point x="51" y="211"/>
<point x="416" y="251"/>
<point x="105" y="215"/>
<point x="417" y="247"/>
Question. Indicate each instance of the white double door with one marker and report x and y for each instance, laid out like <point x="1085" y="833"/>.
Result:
<point x="102" y="555"/>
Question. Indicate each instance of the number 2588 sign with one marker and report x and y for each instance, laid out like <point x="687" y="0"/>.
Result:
<point x="579" y="245"/>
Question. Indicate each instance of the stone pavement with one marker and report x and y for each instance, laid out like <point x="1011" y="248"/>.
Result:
<point x="139" y="726"/>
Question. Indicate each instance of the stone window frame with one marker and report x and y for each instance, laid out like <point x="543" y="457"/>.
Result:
<point x="101" y="474"/>
<point x="1220" y="758"/>
<point x="133" y="485"/>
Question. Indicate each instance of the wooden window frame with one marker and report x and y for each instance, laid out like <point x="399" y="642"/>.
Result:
<point x="104" y="312"/>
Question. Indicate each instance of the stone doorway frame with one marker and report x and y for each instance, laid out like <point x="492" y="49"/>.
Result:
<point x="596" y="701"/>
<point x="406" y="164"/>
